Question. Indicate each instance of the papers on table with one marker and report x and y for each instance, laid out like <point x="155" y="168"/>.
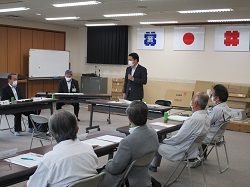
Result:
<point x="102" y="141"/>
<point x="153" y="105"/>
<point x="162" y="124"/>
<point x="69" y="94"/>
<point x="110" y="138"/>
<point x="124" y="101"/>
<point x="27" y="160"/>
<point x="178" y="118"/>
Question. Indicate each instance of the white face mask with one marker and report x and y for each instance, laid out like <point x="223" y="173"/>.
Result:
<point x="14" y="83"/>
<point x="212" y="99"/>
<point x="191" y="105"/>
<point x="130" y="63"/>
<point x="68" y="79"/>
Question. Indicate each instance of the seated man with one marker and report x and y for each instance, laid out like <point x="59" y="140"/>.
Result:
<point x="218" y="114"/>
<point x="12" y="90"/>
<point x="70" y="160"/>
<point x="68" y="85"/>
<point x="198" y="124"/>
<point x="140" y="142"/>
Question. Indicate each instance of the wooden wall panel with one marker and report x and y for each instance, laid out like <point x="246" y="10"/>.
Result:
<point x="48" y="86"/>
<point x="3" y="50"/>
<point x="38" y="39"/>
<point x="55" y="85"/>
<point x="60" y="41"/>
<point x="26" y="44"/>
<point x="49" y="40"/>
<point x="14" y="52"/>
<point x="35" y="86"/>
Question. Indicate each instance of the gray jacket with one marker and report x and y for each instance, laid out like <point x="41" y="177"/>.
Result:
<point x="140" y="142"/>
<point x="217" y="114"/>
<point x="175" y="147"/>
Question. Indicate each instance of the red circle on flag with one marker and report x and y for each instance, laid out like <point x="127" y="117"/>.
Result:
<point x="188" y="38"/>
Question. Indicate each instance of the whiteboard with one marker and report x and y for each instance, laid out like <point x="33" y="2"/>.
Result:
<point x="47" y="63"/>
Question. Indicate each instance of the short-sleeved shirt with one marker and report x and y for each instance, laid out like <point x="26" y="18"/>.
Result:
<point x="67" y="162"/>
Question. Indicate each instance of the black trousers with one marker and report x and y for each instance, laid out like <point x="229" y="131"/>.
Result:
<point x="18" y="119"/>
<point x="75" y="105"/>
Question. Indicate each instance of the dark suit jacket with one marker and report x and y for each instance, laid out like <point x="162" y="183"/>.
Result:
<point x="134" y="89"/>
<point x="63" y="87"/>
<point x="7" y="93"/>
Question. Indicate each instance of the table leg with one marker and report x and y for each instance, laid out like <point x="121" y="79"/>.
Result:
<point x="91" y="120"/>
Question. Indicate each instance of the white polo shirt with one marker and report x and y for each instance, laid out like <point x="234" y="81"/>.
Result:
<point x="67" y="162"/>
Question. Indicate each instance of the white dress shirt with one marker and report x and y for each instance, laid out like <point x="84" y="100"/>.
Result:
<point x="133" y="70"/>
<point x="69" y="85"/>
<point x="14" y="92"/>
<point x="67" y="162"/>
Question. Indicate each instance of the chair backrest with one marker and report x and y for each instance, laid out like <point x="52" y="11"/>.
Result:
<point x="219" y="133"/>
<point x="93" y="181"/>
<point x="196" y="141"/>
<point x="142" y="161"/>
<point x="39" y="118"/>
<point x="163" y="102"/>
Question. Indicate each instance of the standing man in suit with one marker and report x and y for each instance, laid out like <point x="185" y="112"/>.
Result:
<point x="68" y="85"/>
<point x="135" y="78"/>
<point x="141" y="141"/>
<point x="12" y="90"/>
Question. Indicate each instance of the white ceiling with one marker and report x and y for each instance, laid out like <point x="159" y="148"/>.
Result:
<point x="156" y="10"/>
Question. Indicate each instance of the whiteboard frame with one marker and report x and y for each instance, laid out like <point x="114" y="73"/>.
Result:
<point x="45" y="63"/>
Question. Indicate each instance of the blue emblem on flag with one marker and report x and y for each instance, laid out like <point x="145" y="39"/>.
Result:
<point x="150" y="39"/>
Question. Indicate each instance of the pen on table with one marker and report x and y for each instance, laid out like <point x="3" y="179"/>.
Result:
<point x="27" y="159"/>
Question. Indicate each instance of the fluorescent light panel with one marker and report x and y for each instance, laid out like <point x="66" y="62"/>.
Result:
<point x="62" y="18"/>
<point x="77" y="4"/>
<point x="100" y="24"/>
<point x="229" y="20"/>
<point x="124" y="15"/>
<point x="157" y="22"/>
<point x="205" y="11"/>
<point x="14" y="9"/>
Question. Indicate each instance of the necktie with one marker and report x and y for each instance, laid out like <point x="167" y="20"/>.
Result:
<point x="15" y="93"/>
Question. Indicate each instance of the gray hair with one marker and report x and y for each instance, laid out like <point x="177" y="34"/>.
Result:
<point x="68" y="72"/>
<point x="202" y="99"/>
<point x="63" y="126"/>
<point x="138" y="113"/>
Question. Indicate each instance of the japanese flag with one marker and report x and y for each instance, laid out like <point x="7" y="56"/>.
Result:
<point x="232" y="38"/>
<point x="189" y="38"/>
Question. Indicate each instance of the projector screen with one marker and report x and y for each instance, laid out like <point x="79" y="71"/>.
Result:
<point x="47" y="63"/>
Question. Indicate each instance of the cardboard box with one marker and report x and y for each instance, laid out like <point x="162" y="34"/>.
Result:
<point x="119" y="87"/>
<point x="117" y="83"/>
<point x="240" y="99"/>
<point x="116" y="90"/>
<point x="240" y="105"/>
<point x="203" y="86"/>
<point x="179" y="98"/>
<point x="242" y="126"/>
<point x="118" y="80"/>
<point x="238" y="89"/>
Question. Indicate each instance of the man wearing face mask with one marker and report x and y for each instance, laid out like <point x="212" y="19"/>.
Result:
<point x="218" y="114"/>
<point x="135" y="78"/>
<point x="68" y="85"/>
<point x="12" y="90"/>
<point x="175" y="147"/>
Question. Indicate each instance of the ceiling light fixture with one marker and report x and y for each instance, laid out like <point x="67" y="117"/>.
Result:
<point x="157" y="22"/>
<point x="77" y="4"/>
<point x="14" y="9"/>
<point x="62" y="18"/>
<point x="124" y="15"/>
<point x="100" y="24"/>
<point x="205" y="11"/>
<point x="229" y="20"/>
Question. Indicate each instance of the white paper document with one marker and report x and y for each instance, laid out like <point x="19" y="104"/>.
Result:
<point x="27" y="160"/>
<point x="178" y="118"/>
<point x="95" y="142"/>
<point x="153" y="105"/>
<point x="69" y="94"/>
<point x="110" y="138"/>
<point x="162" y="124"/>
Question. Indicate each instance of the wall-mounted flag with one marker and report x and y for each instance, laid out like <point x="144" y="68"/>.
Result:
<point x="150" y="38"/>
<point x="189" y="38"/>
<point x="231" y="38"/>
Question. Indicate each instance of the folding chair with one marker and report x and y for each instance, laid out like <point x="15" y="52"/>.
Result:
<point x="94" y="181"/>
<point x="217" y="144"/>
<point x="185" y="159"/>
<point x="10" y="128"/>
<point x="38" y="119"/>
<point x="143" y="161"/>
